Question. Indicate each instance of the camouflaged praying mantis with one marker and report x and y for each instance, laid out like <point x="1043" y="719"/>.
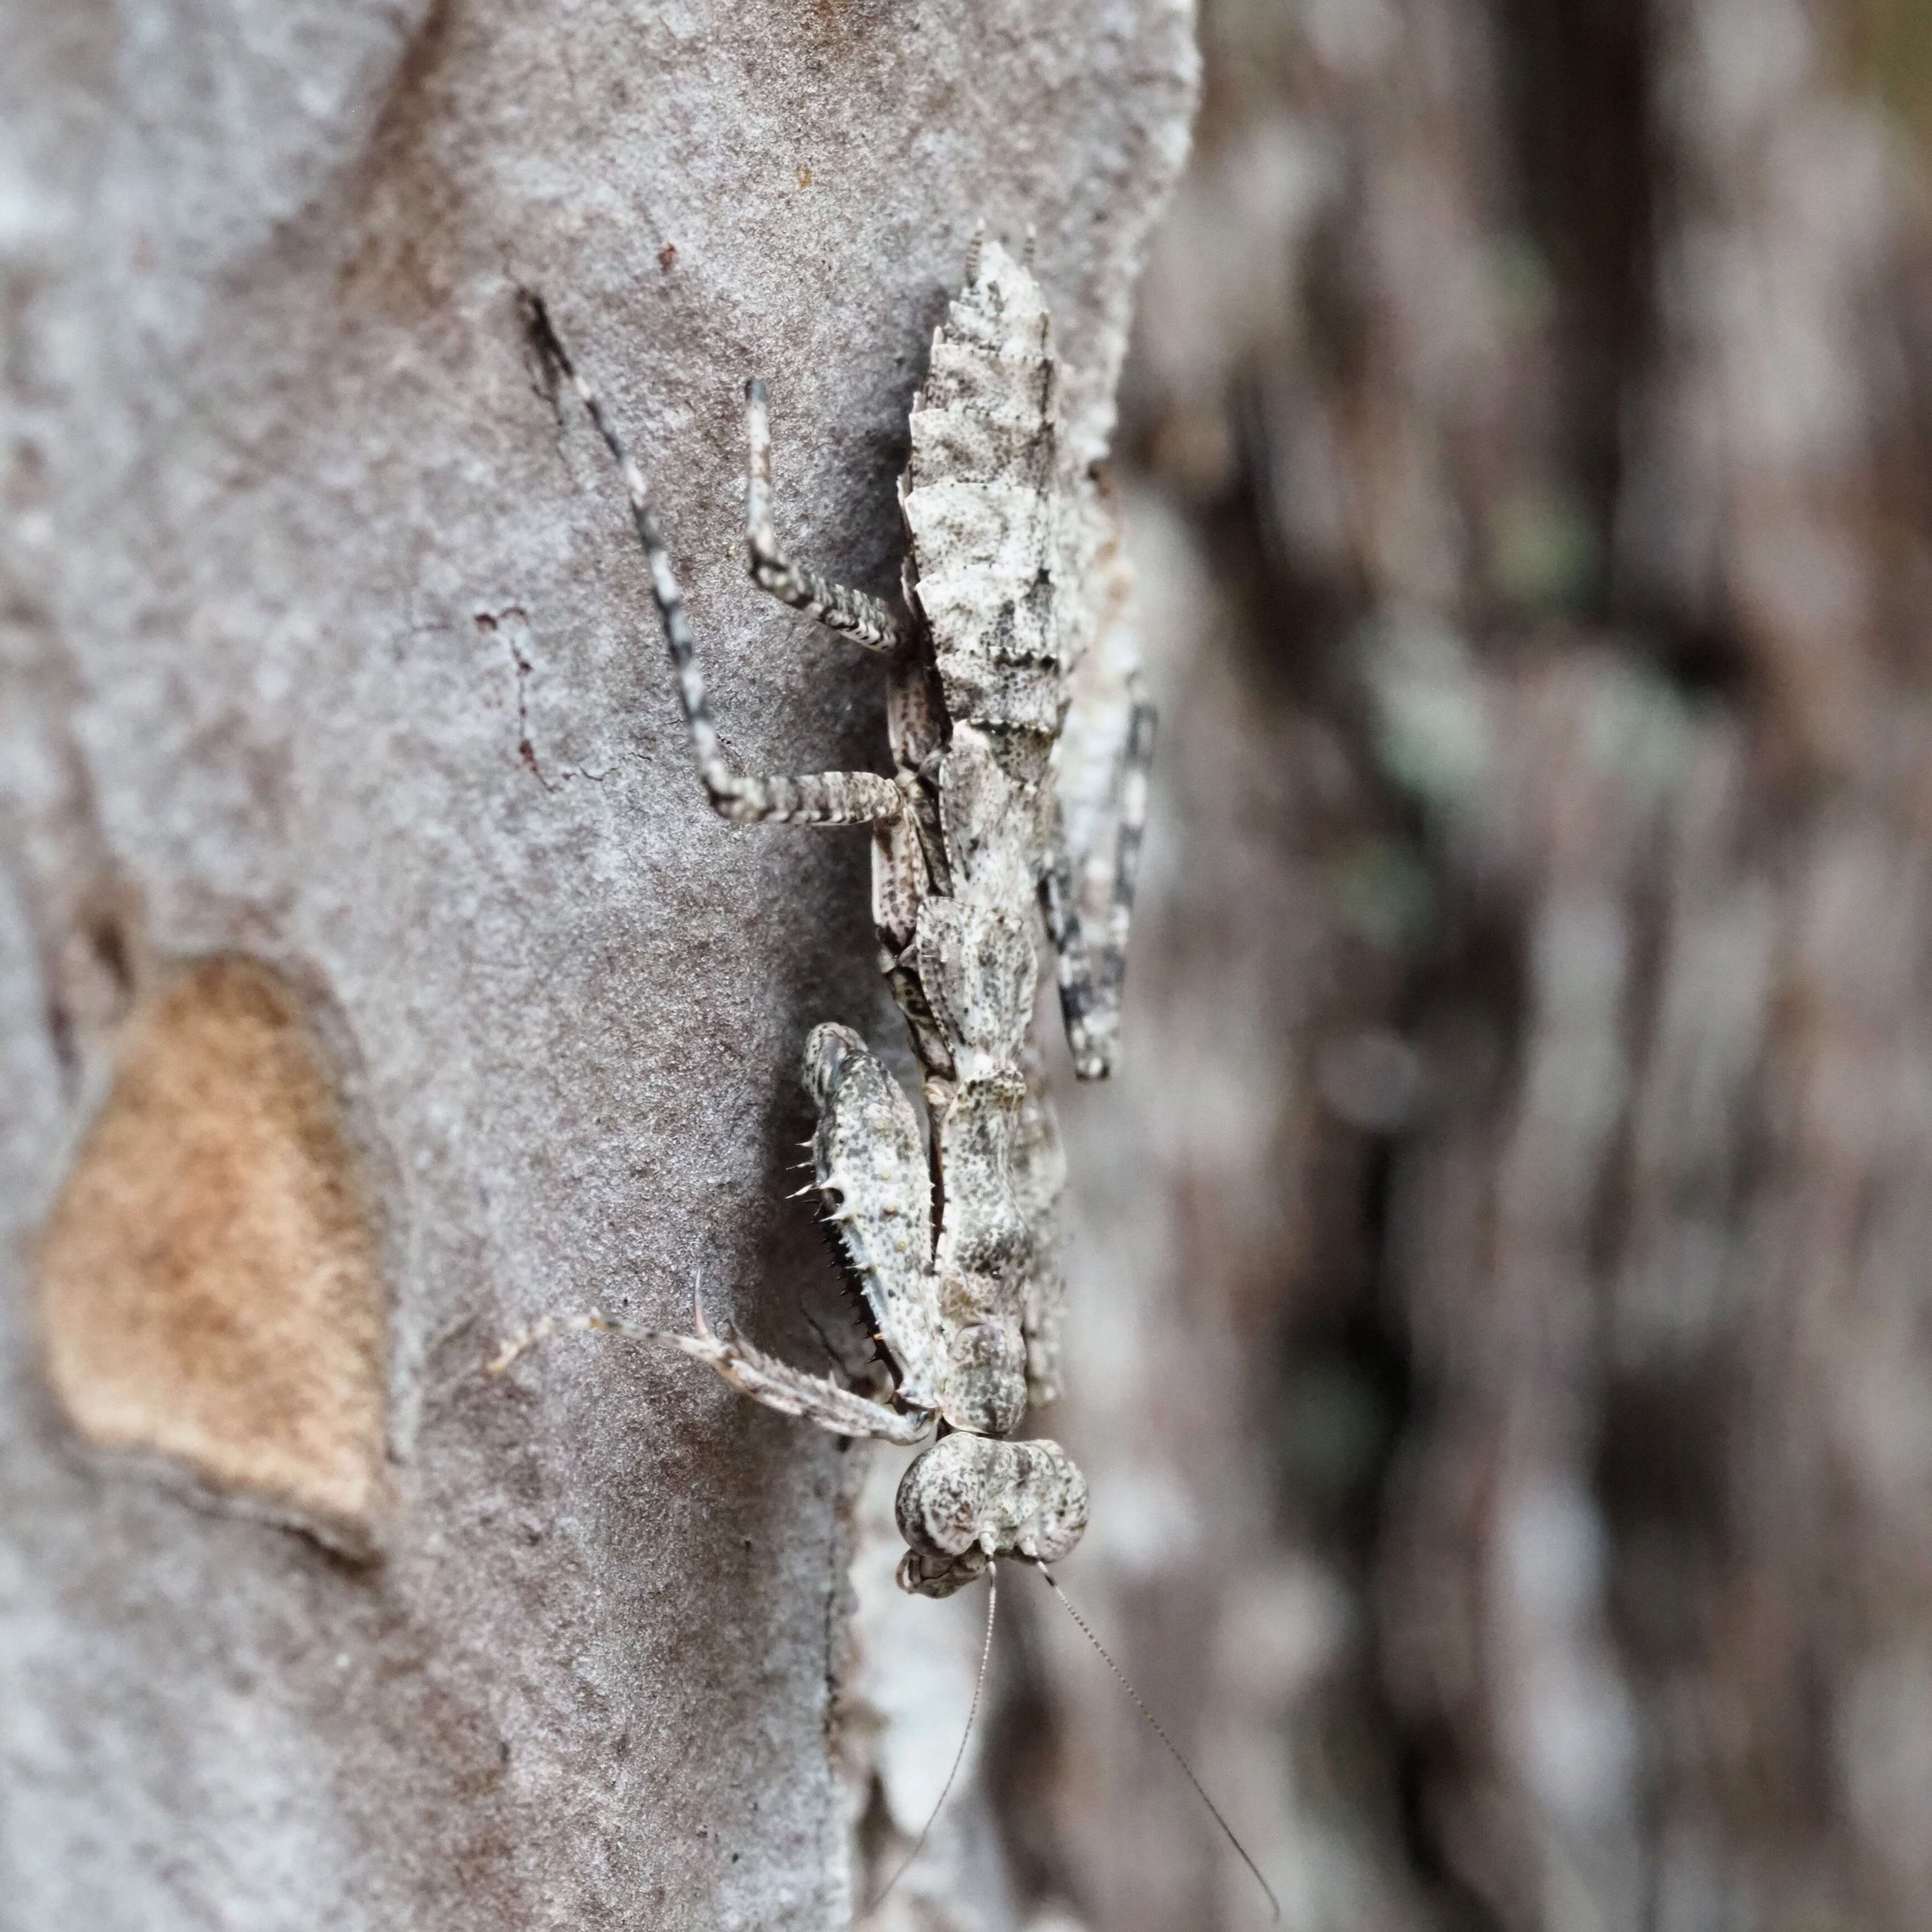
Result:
<point x="1012" y="567"/>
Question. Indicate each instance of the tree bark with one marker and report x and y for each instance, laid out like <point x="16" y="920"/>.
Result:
<point x="373" y="977"/>
<point x="1526" y="1199"/>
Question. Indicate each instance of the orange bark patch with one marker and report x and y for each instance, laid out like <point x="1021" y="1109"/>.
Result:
<point x="209" y="1278"/>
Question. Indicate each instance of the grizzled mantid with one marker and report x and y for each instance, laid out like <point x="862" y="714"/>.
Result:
<point x="952" y="1247"/>
<point x="1012" y="567"/>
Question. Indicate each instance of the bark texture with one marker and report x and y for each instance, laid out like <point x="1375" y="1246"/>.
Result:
<point x="1502" y="1357"/>
<point x="357" y="887"/>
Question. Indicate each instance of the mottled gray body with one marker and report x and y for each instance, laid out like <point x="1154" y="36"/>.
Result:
<point x="950" y="1232"/>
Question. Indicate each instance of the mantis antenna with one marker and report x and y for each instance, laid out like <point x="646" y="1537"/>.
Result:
<point x="1140" y="1704"/>
<point x="959" y="1756"/>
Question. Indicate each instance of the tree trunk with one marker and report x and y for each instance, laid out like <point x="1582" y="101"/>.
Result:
<point x="374" y="978"/>
<point x="1523" y="1160"/>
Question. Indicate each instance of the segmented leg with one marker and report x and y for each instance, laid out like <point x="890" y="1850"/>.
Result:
<point x="1089" y="987"/>
<point x="850" y="613"/>
<point x="789" y="1391"/>
<point x="792" y="1392"/>
<point x="820" y="798"/>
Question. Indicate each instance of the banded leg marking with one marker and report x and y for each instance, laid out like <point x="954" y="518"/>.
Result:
<point x="850" y="613"/>
<point x="792" y="1392"/>
<point x="1089" y="989"/>
<point x="749" y="1370"/>
<point x="819" y="798"/>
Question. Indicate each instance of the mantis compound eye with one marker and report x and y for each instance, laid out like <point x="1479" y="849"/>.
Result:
<point x="970" y="1499"/>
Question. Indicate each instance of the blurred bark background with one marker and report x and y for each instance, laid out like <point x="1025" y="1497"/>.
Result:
<point x="1504" y="1348"/>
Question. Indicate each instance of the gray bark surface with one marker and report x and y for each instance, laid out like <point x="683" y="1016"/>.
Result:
<point x="325" y="644"/>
